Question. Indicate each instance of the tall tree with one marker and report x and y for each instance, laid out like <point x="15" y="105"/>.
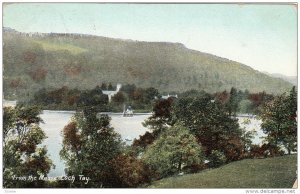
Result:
<point x="232" y="104"/>
<point x="89" y="145"/>
<point x="110" y="87"/>
<point x="209" y="121"/>
<point x="279" y="121"/>
<point x="103" y="86"/>
<point x="222" y="97"/>
<point x="161" y="117"/>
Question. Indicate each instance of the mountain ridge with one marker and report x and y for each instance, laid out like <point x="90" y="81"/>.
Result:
<point x="32" y="61"/>
<point x="291" y="79"/>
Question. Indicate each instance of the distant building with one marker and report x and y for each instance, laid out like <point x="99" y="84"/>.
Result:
<point x="168" y="96"/>
<point x="112" y="93"/>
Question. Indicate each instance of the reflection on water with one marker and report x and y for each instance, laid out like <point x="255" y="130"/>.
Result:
<point x="128" y="127"/>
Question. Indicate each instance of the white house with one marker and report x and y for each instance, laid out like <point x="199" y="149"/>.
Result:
<point x="112" y="93"/>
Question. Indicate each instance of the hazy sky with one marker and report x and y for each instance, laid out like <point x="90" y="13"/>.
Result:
<point x="261" y="36"/>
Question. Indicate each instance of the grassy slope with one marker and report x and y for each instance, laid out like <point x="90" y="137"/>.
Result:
<point x="278" y="172"/>
<point x="49" y="46"/>
<point x="86" y="61"/>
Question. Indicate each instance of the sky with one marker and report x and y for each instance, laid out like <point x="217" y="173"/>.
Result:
<point x="263" y="36"/>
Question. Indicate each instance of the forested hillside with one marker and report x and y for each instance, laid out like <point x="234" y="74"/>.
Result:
<point x="35" y="61"/>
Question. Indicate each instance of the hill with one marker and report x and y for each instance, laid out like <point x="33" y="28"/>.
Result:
<point x="35" y="60"/>
<point x="291" y="79"/>
<point x="278" y="172"/>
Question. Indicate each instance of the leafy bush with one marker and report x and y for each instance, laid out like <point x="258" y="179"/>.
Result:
<point x="129" y="171"/>
<point x="174" y="149"/>
<point x="216" y="159"/>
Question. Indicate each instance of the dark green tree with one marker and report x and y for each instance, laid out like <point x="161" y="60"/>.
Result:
<point x="119" y="98"/>
<point x="209" y="121"/>
<point x="23" y="156"/>
<point x="110" y="87"/>
<point x="279" y="121"/>
<point x="103" y="86"/>
<point x="232" y="104"/>
<point x="150" y="94"/>
<point x="162" y="115"/>
<point x="216" y="159"/>
<point x="93" y="98"/>
<point x="89" y="145"/>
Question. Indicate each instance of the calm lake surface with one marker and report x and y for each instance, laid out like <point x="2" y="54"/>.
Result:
<point x="128" y="127"/>
<point x="54" y="121"/>
<point x="251" y="123"/>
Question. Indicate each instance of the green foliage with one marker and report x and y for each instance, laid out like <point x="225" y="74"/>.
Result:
<point x="245" y="106"/>
<point x="73" y="99"/>
<point x="22" y="154"/>
<point x="238" y="101"/>
<point x="50" y="46"/>
<point x="70" y="99"/>
<point x="209" y="121"/>
<point x="110" y="87"/>
<point x="279" y="121"/>
<point x="9" y="118"/>
<point x="94" y="98"/>
<point x="161" y="115"/>
<point x="61" y="98"/>
<point x="118" y="98"/>
<point x="145" y="140"/>
<point x="247" y="136"/>
<point x="89" y="145"/>
<point x="174" y="149"/>
<point x="232" y="104"/>
<point x="150" y="94"/>
<point x="83" y="62"/>
<point x="216" y="159"/>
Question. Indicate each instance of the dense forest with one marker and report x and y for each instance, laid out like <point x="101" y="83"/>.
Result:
<point x="35" y="61"/>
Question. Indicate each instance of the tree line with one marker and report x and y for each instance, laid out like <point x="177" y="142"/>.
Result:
<point x="65" y="98"/>
<point x="141" y="99"/>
